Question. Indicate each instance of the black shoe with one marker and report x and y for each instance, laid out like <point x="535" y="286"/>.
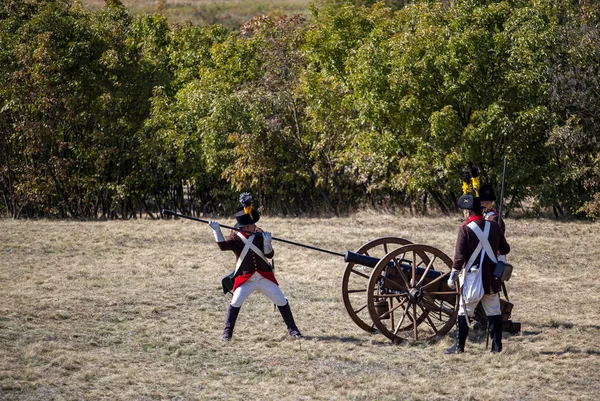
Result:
<point x="288" y="319"/>
<point x="455" y="349"/>
<point x="295" y="333"/>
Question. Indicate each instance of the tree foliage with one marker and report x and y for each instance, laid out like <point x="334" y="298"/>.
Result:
<point x="103" y="114"/>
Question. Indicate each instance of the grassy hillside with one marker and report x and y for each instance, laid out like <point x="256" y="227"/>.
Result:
<point x="133" y="311"/>
<point x="230" y="13"/>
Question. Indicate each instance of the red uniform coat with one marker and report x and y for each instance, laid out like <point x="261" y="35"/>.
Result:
<point x="252" y="262"/>
<point x="467" y="242"/>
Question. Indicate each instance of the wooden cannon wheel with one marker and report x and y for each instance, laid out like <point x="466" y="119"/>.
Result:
<point x="356" y="278"/>
<point x="408" y="296"/>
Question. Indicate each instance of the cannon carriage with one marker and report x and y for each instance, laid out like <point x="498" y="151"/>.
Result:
<point x="400" y="289"/>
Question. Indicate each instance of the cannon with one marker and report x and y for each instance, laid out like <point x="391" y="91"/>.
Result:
<point x="393" y="286"/>
<point x="400" y="289"/>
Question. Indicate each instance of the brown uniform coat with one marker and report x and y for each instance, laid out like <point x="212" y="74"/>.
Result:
<point x="467" y="242"/>
<point x="492" y="215"/>
<point x="252" y="262"/>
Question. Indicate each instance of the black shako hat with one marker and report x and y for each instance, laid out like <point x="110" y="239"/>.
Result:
<point x="468" y="202"/>
<point x="246" y="215"/>
<point x="486" y="193"/>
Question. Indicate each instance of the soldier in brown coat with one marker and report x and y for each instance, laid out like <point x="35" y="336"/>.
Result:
<point x="471" y="255"/>
<point x="488" y="197"/>
<point x="252" y="248"/>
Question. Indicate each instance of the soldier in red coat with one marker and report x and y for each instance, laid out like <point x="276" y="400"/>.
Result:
<point x="488" y="197"/>
<point x="478" y="243"/>
<point x="253" y="272"/>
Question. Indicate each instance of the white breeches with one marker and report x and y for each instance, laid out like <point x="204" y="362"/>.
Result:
<point x="258" y="282"/>
<point x="490" y="303"/>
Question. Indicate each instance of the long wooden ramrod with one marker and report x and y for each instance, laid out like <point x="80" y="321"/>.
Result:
<point x="500" y="216"/>
<point x="502" y="192"/>
<point x="171" y="213"/>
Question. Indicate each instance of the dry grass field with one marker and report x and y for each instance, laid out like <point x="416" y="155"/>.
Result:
<point x="133" y="310"/>
<point x="230" y="13"/>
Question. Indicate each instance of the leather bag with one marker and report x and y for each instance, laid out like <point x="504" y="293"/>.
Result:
<point x="502" y="271"/>
<point x="227" y="282"/>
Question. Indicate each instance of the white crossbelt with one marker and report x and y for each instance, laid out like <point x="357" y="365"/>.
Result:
<point x="247" y="246"/>
<point x="483" y="242"/>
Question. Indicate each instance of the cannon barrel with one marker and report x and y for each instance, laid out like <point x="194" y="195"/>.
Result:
<point x="370" y="261"/>
<point x="360" y="259"/>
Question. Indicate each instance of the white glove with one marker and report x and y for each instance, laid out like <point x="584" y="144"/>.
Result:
<point x="216" y="230"/>
<point x="502" y="258"/>
<point x="452" y="279"/>
<point x="267" y="245"/>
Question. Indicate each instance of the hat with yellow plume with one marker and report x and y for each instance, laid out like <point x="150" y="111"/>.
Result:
<point x="475" y="180"/>
<point x="466" y="182"/>
<point x="470" y="180"/>
<point x="246" y="215"/>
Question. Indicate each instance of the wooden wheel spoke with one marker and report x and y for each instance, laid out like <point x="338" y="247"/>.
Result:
<point x="416" y="333"/>
<point x="355" y="291"/>
<point x="436" y="280"/>
<point x="427" y="270"/>
<point x="410" y="317"/>
<point x="424" y="257"/>
<point x="391" y="310"/>
<point x="401" y="272"/>
<point x="414" y="268"/>
<point x="426" y="314"/>
<point x="392" y="284"/>
<point x="360" y="309"/>
<point x="400" y="304"/>
<point x="401" y="320"/>
<point x="437" y="308"/>
<point x="436" y="315"/>
<point x="360" y="274"/>
<point x="443" y="309"/>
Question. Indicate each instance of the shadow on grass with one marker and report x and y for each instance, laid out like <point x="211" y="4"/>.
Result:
<point x="528" y="333"/>
<point x="572" y="350"/>
<point x="553" y="324"/>
<point x="345" y="339"/>
<point x="572" y="326"/>
<point x="478" y="336"/>
<point x="534" y="329"/>
<point x="534" y="334"/>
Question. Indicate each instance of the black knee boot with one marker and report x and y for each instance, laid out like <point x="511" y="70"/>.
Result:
<point x="462" y="330"/>
<point x="495" y="325"/>
<point x="232" y="314"/>
<point x="288" y="319"/>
